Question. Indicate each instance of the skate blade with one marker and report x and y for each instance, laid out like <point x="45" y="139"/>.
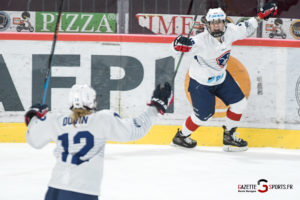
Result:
<point x="229" y="148"/>
<point x="181" y="147"/>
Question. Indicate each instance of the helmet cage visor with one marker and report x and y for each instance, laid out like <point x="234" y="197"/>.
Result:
<point x="216" y="33"/>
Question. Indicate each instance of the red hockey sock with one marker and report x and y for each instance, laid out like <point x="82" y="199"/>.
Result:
<point x="190" y="124"/>
<point x="232" y="119"/>
<point x="233" y="116"/>
<point x="188" y="127"/>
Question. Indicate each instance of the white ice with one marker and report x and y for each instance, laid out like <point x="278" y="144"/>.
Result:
<point x="150" y="172"/>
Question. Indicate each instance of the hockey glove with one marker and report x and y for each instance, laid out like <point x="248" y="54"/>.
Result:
<point x="162" y="97"/>
<point x="269" y="10"/>
<point x="39" y="110"/>
<point x="182" y="44"/>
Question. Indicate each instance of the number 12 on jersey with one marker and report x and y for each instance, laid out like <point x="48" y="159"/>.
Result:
<point x="89" y="144"/>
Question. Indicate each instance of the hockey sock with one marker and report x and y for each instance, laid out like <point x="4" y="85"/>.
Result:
<point x="188" y="127"/>
<point x="232" y="119"/>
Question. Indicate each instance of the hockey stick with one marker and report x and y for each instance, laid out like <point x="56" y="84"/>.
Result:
<point x="189" y="34"/>
<point x="182" y="53"/>
<point x="47" y="77"/>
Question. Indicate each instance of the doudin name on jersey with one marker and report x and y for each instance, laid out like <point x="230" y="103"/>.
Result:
<point x="68" y="120"/>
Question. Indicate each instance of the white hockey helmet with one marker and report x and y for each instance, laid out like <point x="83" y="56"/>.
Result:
<point x="215" y="14"/>
<point x="82" y="96"/>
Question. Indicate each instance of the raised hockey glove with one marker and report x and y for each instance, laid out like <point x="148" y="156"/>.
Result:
<point x="39" y="110"/>
<point x="162" y="97"/>
<point x="269" y="10"/>
<point x="182" y="44"/>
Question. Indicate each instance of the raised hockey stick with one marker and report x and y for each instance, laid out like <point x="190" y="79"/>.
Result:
<point x="48" y="74"/>
<point x="182" y="53"/>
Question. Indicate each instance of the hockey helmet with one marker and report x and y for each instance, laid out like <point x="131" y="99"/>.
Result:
<point x="215" y="15"/>
<point x="82" y="96"/>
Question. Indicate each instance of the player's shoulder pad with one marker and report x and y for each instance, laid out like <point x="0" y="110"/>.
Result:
<point x="107" y="113"/>
<point x="247" y="22"/>
<point x="232" y="28"/>
<point x="60" y="115"/>
<point x="198" y="39"/>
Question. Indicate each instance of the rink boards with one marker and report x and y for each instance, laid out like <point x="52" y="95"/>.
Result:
<point x="125" y="68"/>
<point x="205" y="136"/>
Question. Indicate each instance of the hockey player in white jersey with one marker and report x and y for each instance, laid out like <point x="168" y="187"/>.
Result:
<point x="209" y="52"/>
<point x="80" y="138"/>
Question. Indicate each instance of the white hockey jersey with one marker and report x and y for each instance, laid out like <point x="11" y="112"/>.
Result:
<point x="209" y="57"/>
<point x="80" y="150"/>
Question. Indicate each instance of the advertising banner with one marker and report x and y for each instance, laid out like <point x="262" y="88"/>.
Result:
<point x="124" y="75"/>
<point x="77" y="22"/>
<point x="71" y="22"/>
<point x="166" y="24"/>
<point x="282" y="28"/>
<point x="17" y="21"/>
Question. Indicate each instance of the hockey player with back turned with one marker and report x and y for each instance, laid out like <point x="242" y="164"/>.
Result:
<point x="80" y="138"/>
<point x="209" y="52"/>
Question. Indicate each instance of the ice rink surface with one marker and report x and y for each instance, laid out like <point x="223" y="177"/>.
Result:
<point x="150" y="172"/>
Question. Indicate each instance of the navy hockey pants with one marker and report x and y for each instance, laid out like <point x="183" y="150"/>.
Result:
<point x="58" y="194"/>
<point x="203" y="96"/>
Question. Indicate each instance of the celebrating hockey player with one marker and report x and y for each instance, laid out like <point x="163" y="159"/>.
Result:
<point x="80" y="138"/>
<point x="209" y="52"/>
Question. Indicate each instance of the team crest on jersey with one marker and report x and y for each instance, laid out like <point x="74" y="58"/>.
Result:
<point x="222" y="60"/>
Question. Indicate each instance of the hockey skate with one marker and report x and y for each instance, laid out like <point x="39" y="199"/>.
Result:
<point x="183" y="141"/>
<point x="232" y="142"/>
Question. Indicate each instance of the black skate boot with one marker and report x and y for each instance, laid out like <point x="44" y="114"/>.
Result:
<point x="184" y="141"/>
<point x="233" y="143"/>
